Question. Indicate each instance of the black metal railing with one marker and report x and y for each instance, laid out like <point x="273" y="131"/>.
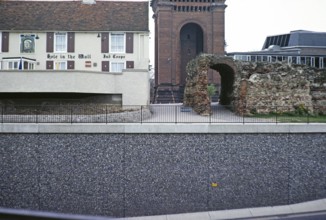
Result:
<point x="108" y="114"/>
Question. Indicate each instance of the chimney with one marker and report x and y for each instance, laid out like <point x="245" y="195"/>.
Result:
<point x="88" y="2"/>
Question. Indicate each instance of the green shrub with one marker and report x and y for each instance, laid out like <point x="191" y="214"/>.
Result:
<point x="211" y="89"/>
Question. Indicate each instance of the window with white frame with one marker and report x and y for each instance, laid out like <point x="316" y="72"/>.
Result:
<point x="117" y="43"/>
<point x="60" y="42"/>
<point x="117" y="67"/>
<point x="13" y="65"/>
<point x="321" y="63"/>
<point x="60" y="65"/>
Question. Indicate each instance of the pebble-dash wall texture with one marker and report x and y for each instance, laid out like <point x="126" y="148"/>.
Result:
<point x="139" y="174"/>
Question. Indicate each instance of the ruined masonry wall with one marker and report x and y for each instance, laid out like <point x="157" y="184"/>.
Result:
<point x="259" y="87"/>
<point x="279" y="87"/>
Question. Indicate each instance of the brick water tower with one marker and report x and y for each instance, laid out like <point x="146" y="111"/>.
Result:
<point x="184" y="29"/>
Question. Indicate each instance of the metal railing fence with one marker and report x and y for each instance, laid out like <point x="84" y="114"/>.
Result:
<point x="92" y="113"/>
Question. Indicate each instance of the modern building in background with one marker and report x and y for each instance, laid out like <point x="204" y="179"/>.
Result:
<point x="184" y="29"/>
<point x="297" y="47"/>
<point x="87" y="49"/>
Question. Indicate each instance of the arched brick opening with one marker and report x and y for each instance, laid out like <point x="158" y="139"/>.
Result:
<point x="191" y="45"/>
<point x="227" y="82"/>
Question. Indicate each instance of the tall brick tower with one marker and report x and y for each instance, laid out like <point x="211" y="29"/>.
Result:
<point x="184" y="29"/>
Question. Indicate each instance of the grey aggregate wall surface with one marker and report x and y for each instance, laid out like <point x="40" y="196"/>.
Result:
<point x="149" y="174"/>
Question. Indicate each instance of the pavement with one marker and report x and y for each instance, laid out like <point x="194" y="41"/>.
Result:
<point x="312" y="210"/>
<point x="177" y="113"/>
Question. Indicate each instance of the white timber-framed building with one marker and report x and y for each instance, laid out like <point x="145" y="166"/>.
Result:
<point x="74" y="50"/>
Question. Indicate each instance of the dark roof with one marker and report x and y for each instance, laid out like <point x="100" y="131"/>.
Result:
<point x="307" y="38"/>
<point x="73" y="16"/>
<point x="297" y="39"/>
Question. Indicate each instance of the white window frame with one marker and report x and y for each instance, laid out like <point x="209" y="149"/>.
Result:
<point x="31" y="66"/>
<point x="10" y="64"/>
<point x="117" y="62"/>
<point x="312" y="62"/>
<point x="321" y="63"/>
<point x="298" y="60"/>
<point x="113" y="50"/>
<point x="55" y="42"/>
<point x="57" y="63"/>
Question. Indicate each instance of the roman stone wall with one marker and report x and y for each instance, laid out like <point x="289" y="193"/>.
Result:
<point x="261" y="88"/>
<point x="279" y="87"/>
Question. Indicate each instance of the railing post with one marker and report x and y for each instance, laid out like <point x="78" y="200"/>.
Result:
<point x="243" y="110"/>
<point x="276" y="115"/>
<point x="71" y="114"/>
<point x="36" y="119"/>
<point x="176" y="118"/>
<point x="308" y="118"/>
<point x="141" y="114"/>
<point x="106" y="114"/>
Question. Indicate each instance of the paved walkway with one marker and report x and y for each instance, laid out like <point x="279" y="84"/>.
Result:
<point x="176" y="113"/>
<point x="306" y="209"/>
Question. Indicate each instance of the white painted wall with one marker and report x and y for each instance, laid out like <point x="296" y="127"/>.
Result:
<point x="132" y="84"/>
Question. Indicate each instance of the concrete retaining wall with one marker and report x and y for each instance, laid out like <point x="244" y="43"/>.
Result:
<point x="132" y="84"/>
<point x="150" y="174"/>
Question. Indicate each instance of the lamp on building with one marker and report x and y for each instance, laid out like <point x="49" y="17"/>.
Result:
<point x="37" y="37"/>
<point x="98" y="35"/>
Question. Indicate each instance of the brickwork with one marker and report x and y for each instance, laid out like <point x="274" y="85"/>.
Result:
<point x="170" y="17"/>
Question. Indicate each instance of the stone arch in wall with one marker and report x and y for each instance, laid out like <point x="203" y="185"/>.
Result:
<point x="227" y="70"/>
<point x="196" y="95"/>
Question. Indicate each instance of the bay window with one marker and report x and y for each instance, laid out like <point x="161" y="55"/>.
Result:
<point x="18" y="63"/>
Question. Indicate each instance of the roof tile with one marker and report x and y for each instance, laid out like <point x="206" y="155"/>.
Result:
<point x="73" y="16"/>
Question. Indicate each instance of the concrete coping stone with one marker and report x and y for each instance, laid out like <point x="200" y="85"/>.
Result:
<point x="136" y="128"/>
<point x="246" y="213"/>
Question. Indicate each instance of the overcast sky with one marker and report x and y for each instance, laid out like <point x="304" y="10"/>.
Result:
<point x="248" y="22"/>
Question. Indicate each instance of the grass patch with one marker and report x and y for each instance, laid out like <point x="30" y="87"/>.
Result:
<point x="283" y="118"/>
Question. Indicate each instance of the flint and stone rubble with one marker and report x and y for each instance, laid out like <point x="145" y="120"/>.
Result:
<point x="256" y="88"/>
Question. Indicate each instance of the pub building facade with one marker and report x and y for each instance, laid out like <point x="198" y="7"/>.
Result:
<point x="83" y="49"/>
